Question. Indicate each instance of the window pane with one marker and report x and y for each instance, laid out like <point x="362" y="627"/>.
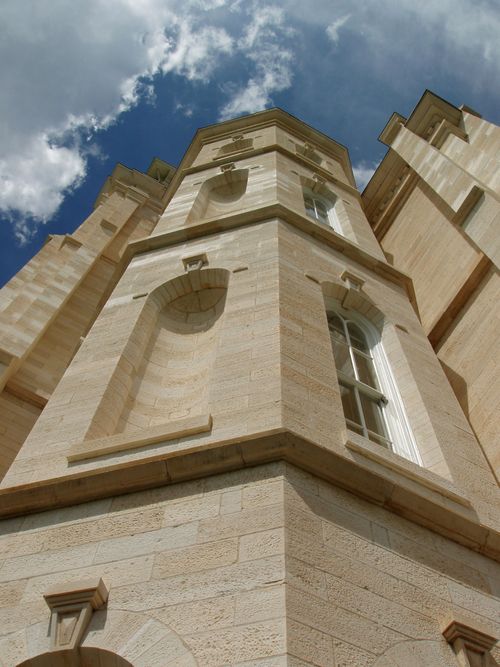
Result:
<point x="321" y="211"/>
<point x="310" y="210"/>
<point x="335" y="324"/>
<point x="366" y="370"/>
<point x="342" y="357"/>
<point x="372" y="413"/>
<point x="357" y="337"/>
<point x="349" y="404"/>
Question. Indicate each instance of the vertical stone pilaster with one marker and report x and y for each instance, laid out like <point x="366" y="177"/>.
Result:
<point x="456" y="187"/>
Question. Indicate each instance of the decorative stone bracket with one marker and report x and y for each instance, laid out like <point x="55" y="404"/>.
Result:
<point x="72" y="606"/>
<point x="471" y="646"/>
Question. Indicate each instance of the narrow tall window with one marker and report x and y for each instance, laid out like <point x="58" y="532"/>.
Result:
<point x="371" y="402"/>
<point x="316" y="208"/>
<point x="321" y="209"/>
<point x="362" y="399"/>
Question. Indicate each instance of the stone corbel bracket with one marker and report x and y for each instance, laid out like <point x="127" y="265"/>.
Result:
<point x="471" y="646"/>
<point x="72" y="606"/>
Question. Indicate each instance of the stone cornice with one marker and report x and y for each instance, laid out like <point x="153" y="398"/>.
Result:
<point x="272" y="211"/>
<point x="267" y="118"/>
<point x="260" y="120"/>
<point x="425" y="118"/>
<point x="402" y="487"/>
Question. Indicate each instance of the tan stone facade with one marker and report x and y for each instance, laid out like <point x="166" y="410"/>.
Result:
<point x="192" y="475"/>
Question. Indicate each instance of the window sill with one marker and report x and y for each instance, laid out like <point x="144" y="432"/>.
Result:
<point x="122" y="442"/>
<point x="404" y="467"/>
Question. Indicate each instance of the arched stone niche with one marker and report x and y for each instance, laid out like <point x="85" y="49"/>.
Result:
<point x="115" y="638"/>
<point x="220" y="194"/>
<point x="84" y="657"/>
<point x="418" y="654"/>
<point x="181" y="321"/>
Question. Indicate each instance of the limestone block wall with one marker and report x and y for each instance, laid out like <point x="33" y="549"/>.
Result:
<point x="439" y="226"/>
<point x="174" y="372"/>
<point x="426" y="246"/>
<point x="45" y="365"/>
<point x="310" y="391"/>
<point x="271" y="367"/>
<point x="217" y="193"/>
<point x="269" y="566"/>
<point x="468" y="353"/>
<point x="227" y="145"/>
<point x="51" y="304"/>
<point x="479" y="154"/>
<point x="245" y="139"/>
<point x="196" y="573"/>
<point x="293" y="179"/>
<point x="244" y="390"/>
<point x="200" y="196"/>
<point x="367" y="588"/>
<point x="311" y="152"/>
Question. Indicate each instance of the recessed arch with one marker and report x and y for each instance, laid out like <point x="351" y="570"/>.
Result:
<point x="81" y="657"/>
<point x="183" y="313"/>
<point x="417" y="654"/>
<point x="220" y="194"/>
<point x="172" y="378"/>
<point x="112" y="633"/>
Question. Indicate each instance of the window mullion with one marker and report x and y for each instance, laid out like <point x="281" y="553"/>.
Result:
<point x="360" y="410"/>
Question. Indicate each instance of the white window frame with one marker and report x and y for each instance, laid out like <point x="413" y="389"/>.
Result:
<point x="396" y="421"/>
<point x="329" y="205"/>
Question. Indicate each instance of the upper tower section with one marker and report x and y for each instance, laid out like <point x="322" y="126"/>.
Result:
<point x="263" y="166"/>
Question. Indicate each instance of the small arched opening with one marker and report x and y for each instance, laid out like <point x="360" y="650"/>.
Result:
<point x="80" y="657"/>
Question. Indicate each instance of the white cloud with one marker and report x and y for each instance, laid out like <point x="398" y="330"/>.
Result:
<point x="363" y="171"/>
<point x="265" y="44"/>
<point x="195" y="52"/>
<point x="333" y="29"/>
<point x="74" y="67"/>
<point x="186" y="110"/>
<point x="35" y="181"/>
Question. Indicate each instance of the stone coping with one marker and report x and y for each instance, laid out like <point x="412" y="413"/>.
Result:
<point x="421" y="499"/>
<point x="179" y="428"/>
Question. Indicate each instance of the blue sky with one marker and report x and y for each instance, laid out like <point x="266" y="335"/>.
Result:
<point x="90" y="83"/>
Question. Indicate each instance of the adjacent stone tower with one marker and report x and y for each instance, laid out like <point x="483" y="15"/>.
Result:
<point x="228" y="440"/>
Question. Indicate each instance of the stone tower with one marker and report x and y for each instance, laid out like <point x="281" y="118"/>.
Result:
<point x="228" y="439"/>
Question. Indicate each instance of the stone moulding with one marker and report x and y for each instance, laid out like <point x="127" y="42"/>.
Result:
<point x="72" y="606"/>
<point x="410" y="470"/>
<point x="472" y="647"/>
<point x="412" y="498"/>
<point x="264" y="214"/>
<point x="121" y="442"/>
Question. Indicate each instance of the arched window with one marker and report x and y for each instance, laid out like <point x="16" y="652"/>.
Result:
<point x="371" y="401"/>
<point x="321" y="209"/>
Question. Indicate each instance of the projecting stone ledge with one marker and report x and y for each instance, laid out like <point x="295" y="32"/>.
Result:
<point x="390" y="481"/>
